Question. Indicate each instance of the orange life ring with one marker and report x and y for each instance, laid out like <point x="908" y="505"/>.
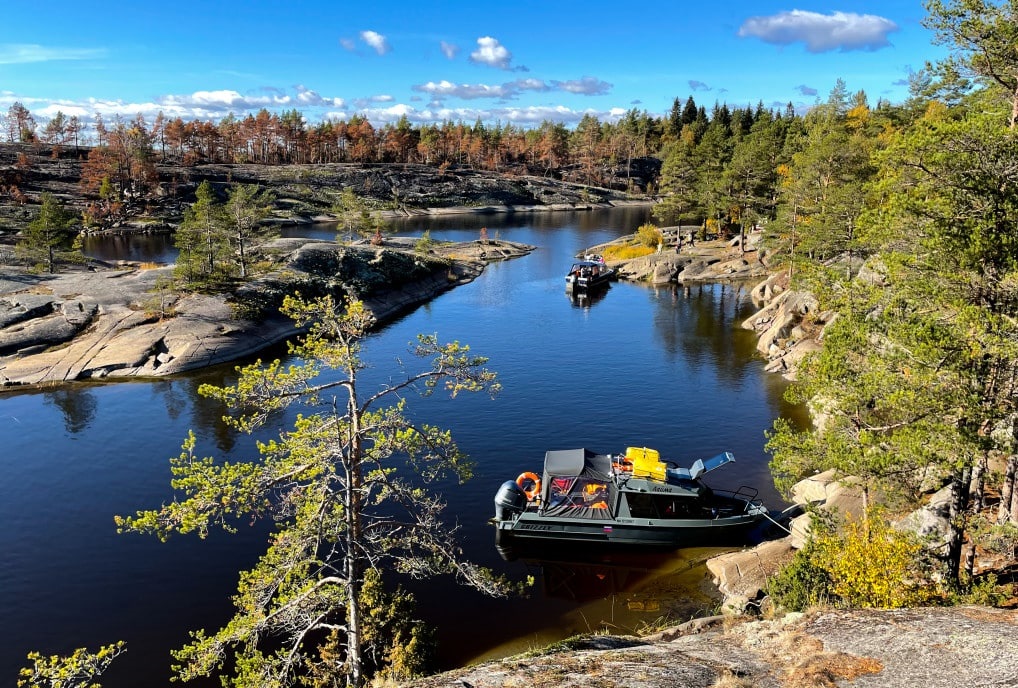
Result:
<point x="535" y="490"/>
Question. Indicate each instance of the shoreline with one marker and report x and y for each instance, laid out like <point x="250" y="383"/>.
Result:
<point x="98" y="325"/>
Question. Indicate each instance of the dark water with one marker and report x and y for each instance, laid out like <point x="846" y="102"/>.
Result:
<point x="666" y="368"/>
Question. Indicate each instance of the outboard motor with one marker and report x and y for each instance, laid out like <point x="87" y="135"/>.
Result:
<point x="510" y="501"/>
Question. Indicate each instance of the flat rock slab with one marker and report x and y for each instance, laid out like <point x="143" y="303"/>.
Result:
<point x="934" y="648"/>
<point x="100" y="324"/>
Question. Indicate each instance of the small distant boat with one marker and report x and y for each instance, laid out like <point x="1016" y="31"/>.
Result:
<point x="630" y="499"/>
<point x="589" y="273"/>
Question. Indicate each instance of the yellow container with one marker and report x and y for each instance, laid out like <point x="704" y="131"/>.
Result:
<point x="646" y="462"/>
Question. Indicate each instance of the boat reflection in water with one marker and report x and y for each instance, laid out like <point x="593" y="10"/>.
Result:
<point x="585" y="298"/>
<point x="618" y="591"/>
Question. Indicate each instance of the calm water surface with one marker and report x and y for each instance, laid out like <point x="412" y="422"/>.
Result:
<point x="666" y="368"/>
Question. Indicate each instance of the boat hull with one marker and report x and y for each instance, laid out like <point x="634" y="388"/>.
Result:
<point x="674" y="534"/>
<point x="584" y="284"/>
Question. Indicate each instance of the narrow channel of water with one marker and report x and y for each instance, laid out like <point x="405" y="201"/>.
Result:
<point x="662" y="367"/>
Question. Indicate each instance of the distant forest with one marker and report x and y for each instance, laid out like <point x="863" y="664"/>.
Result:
<point x="128" y="149"/>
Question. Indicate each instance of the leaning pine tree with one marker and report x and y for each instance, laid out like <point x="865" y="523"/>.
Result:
<point x="334" y="483"/>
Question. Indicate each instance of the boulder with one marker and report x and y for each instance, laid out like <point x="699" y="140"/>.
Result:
<point x="741" y="576"/>
<point x="932" y="522"/>
<point x="843" y="496"/>
<point x="800" y="526"/>
<point x="769" y="289"/>
<point x="694" y="270"/>
<point x="16" y="308"/>
<point x="663" y="273"/>
<point x="815" y="489"/>
<point x="776" y="320"/>
<point x="786" y="361"/>
<point x="64" y="320"/>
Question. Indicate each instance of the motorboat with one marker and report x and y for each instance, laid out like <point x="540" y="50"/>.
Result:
<point x="626" y="499"/>
<point x="589" y="273"/>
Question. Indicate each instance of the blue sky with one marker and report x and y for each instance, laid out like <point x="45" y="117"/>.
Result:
<point x="521" y="62"/>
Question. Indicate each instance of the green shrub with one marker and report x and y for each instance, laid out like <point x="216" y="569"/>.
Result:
<point x="802" y="583"/>
<point x="425" y="243"/>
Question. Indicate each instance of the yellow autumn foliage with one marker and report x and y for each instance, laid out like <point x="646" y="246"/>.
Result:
<point x="626" y="252"/>
<point x="871" y="564"/>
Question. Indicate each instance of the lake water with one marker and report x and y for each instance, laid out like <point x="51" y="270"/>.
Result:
<point x="666" y="367"/>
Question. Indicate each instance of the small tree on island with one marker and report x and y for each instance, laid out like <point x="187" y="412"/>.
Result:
<point x="215" y="238"/>
<point x="334" y="485"/>
<point x="50" y="232"/>
<point x="246" y="207"/>
<point x="355" y="218"/>
<point x="203" y="241"/>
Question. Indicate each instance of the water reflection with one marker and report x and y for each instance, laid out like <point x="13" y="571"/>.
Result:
<point x="586" y="298"/>
<point x="77" y="407"/>
<point x="619" y="590"/>
<point x="153" y="248"/>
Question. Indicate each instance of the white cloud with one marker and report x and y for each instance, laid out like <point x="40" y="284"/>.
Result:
<point x="587" y="86"/>
<point x="820" y="33"/>
<point x="449" y="50"/>
<point x="511" y="89"/>
<point x="212" y="105"/>
<point x="376" y="41"/>
<point x="225" y="100"/>
<point x="22" y="53"/>
<point x="310" y="98"/>
<point x="530" y="85"/>
<point x="365" y="102"/>
<point x="492" y="53"/>
<point x="447" y="89"/>
<point x="348" y="44"/>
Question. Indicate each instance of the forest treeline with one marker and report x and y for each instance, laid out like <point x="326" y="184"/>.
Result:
<point x="129" y="149"/>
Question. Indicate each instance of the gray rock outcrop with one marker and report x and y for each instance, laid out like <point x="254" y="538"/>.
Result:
<point x="933" y="648"/>
<point x="89" y="325"/>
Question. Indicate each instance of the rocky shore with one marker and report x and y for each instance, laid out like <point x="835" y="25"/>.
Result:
<point x="112" y="322"/>
<point x="703" y="261"/>
<point x="933" y="648"/>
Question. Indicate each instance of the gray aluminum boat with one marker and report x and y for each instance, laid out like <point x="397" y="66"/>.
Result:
<point x="625" y="499"/>
<point x="589" y="273"/>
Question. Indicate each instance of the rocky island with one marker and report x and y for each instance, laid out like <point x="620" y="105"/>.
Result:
<point x="96" y="320"/>
<point x="88" y="325"/>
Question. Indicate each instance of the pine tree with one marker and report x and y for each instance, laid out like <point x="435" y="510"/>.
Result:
<point x="347" y="488"/>
<point x="50" y="231"/>
<point x="204" y="242"/>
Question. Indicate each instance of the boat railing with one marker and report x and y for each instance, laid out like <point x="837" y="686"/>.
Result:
<point x="745" y="493"/>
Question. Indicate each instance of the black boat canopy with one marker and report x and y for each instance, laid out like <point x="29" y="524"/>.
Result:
<point x="570" y="463"/>
<point x="577" y="483"/>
